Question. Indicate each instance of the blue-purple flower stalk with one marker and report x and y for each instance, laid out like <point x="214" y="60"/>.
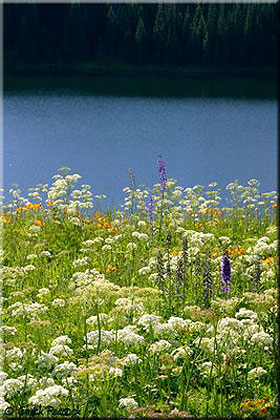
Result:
<point x="207" y="283"/>
<point x="179" y="285"/>
<point x="162" y="171"/>
<point x="226" y="275"/>
<point x="151" y="208"/>
<point x="151" y="214"/>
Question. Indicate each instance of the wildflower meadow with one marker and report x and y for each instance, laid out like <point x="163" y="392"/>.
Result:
<point x="165" y="307"/>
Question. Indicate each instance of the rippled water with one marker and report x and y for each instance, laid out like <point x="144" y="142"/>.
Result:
<point x="201" y="138"/>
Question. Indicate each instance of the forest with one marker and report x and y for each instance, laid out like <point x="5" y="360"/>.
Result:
<point x="159" y="35"/>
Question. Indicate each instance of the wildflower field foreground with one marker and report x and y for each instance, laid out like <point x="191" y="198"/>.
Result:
<point x="165" y="308"/>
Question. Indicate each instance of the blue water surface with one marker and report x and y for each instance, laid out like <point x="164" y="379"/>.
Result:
<point x="101" y="137"/>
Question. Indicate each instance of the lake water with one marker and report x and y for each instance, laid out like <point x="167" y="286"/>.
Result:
<point x="203" y="133"/>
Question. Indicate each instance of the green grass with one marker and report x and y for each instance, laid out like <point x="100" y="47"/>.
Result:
<point x="121" y="278"/>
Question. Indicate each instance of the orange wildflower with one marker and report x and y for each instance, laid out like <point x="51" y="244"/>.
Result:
<point x="20" y="209"/>
<point x="217" y="213"/>
<point x="259" y="405"/>
<point x="174" y="253"/>
<point x="39" y="223"/>
<point x="232" y="252"/>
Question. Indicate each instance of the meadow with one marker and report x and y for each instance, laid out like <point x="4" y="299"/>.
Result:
<point x="164" y="308"/>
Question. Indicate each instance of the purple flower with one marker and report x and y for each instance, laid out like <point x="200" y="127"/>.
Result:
<point x="162" y="171"/>
<point x="151" y="214"/>
<point x="179" y="284"/>
<point x="226" y="275"/>
<point x="207" y="283"/>
<point x="151" y="208"/>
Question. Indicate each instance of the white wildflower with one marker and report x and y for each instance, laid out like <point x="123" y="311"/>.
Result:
<point x="128" y="404"/>
<point x="159" y="346"/>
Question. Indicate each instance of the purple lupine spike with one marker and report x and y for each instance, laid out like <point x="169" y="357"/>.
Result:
<point x="151" y="214"/>
<point x="179" y="284"/>
<point x="162" y="171"/>
<point x="256" y="275"/>
<point x="151" y="208"/>
<point x="226" y="275"/>
<point x="207" y="283"/>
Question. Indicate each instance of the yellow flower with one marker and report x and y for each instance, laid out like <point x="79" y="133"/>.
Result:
<point x="111" y="268"/>
<point x="39" y="223"/>
<point x="269" y="260"/>
<point x="89" y="222"/>
<point x="5" y="219"/>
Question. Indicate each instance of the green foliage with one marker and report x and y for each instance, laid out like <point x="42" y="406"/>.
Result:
<point x="123" y="314"/>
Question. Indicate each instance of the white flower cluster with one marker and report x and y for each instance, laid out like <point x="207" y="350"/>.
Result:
<point x="264" y="247"/>
<point x="235" y="334"/>
<point x="8" y="331"/>
<point x="81" y="280"/>
<point x="50" y="396"/>
<point x="128" y="403"/>
<point x="46" y="360"/>
<point x="256" y="373"/>
<point x="159" y="347"/>
<point x="149" y="321"/>
<point x="131" y="359"/>
<point x="182" y="352"/>
<point x="80" y="262"/>
<point x="140" y="236"/>
<point x="65" y="369"/>
<point x="128" y="337"/>
<point x="172" y="327"/>
<point x="93" y="321"/>
<point x="32" y="310"/>
<point x="43" y="292"/>
<point x="105" y="338"/>
<point x="58" y="303"/>
<point x="60" y="348"/>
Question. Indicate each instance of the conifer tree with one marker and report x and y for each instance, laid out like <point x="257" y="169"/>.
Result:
<point x="140" y="39"/>
<point x="160" y="33"/>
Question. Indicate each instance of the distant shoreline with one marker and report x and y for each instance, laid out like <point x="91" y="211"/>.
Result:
<point x="127" y="71"/>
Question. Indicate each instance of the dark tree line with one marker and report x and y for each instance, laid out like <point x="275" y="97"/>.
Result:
<point x="207" y="35"/>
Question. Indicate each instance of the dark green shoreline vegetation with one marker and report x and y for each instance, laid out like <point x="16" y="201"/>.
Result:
<point x="166" y="39"/>
<point x="125" y="84"/>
